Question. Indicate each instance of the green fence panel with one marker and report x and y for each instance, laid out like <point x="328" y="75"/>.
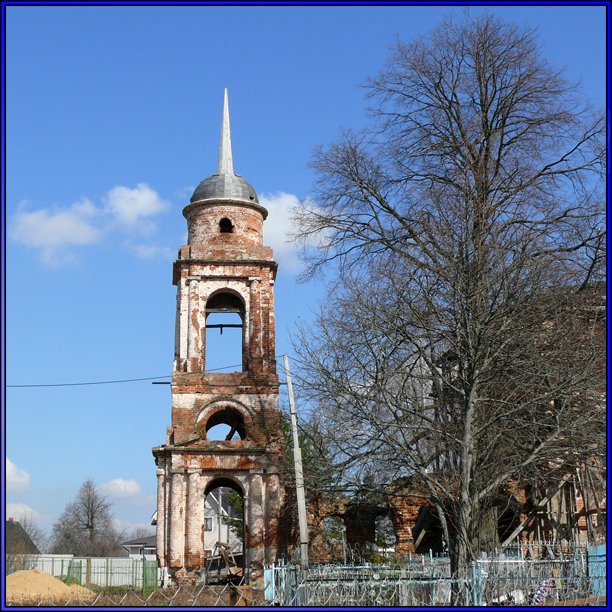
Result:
<point x="149" y="574"/>
<point x="74" y="573"/>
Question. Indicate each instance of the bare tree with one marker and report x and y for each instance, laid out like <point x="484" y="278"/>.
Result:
<point x="86" y="527"/>
<point x="23" y="538"/>
<point x="141" y="532"/>
<point x="464" y="342"/>
<point x="34" y="531"/>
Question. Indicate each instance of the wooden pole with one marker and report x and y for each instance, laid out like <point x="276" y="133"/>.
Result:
<point x="543" y="502"/>
<point x="299" y="472"/>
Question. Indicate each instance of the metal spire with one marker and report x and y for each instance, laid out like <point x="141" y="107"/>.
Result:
<point x="226" y="165"/>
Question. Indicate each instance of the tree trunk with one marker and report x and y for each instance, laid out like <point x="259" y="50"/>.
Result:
<point x="487" y="536"/>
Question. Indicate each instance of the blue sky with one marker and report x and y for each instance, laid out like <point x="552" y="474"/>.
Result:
<point x="113" y="117"/>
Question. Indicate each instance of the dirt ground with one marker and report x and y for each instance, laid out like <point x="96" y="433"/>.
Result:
<point x="28" y="586"/>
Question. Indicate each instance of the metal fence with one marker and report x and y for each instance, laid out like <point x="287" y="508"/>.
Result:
<point x="562" y="577"/>
<point x="559" y="577"/>
<point x="103" y="572"/>
<point x="384" y="589"/>
<point x="203" y="596"/>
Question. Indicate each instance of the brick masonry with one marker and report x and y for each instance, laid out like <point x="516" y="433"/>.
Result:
<point x="233" y="269"/>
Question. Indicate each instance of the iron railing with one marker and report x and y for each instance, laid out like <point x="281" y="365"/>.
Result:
<point x="562" y="577"/>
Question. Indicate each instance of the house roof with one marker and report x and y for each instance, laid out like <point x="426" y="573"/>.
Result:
<point x="18" y="542"/>
<point x="148" y="542"/>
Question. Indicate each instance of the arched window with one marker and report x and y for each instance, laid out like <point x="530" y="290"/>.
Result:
<point x="385" y="535"/>
<point x="225" y="333"/>
<point x="226" y="226"/>
<point x="333" y="531"/>
<point x="226" y="424"/>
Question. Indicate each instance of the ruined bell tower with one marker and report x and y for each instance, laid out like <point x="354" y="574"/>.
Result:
<point x="223" y="269"/>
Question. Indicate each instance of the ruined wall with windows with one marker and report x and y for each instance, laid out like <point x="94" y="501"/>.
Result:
<point x="343" y="529"/>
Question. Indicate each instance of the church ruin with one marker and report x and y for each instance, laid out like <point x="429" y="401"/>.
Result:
<point x="225" y="283"/>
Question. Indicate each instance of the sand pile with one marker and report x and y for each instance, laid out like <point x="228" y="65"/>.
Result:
<point x="27" y="586"/>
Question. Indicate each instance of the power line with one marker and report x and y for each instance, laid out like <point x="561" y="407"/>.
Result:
<point x="97" y="382"/>
<point x="112" y="382"/>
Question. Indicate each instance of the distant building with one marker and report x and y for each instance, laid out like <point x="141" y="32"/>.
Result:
<point x="140" y="547"/>
<point x="221" y="522"/>
<point x="18" y="542"/>
<point x="217" y="527"/>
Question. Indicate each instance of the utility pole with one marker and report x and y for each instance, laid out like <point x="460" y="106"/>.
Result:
<point x="299" y="472"/>
<point x="218" y="502"/>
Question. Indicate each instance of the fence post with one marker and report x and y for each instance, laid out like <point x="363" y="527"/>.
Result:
<point x="300" y="593"/>
<point x="88" y="571"/>
<point x="476" y="594"/>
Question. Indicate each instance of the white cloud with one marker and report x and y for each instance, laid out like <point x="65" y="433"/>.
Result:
<point x="133" y="208"/>
<point x="185" y="193"/>
<point x="151" y="251"/>
<point x="20" y="512"/>
<point x="120" y="487"/>
<point x="17" y="480"/>
<point x="277" y="227"/>
<point x="54" y="231"/>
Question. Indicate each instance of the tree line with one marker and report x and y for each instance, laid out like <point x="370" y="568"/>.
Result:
<point x="86" y="527"/>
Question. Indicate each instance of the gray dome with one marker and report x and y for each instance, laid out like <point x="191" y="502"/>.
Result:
<point x="224" y="186"/>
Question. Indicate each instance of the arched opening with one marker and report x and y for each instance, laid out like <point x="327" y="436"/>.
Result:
<point x="226" y="226"/>
<point x="226" y="424"/>
<point x="223" y="531"/>
<point x="224" y="333"/>
<point x="333" y="532"/>
<point x="385" y="537"/>
<point x="360" y="520"/>
<point x="509" y="518"/>
<point x="427" y="532"/>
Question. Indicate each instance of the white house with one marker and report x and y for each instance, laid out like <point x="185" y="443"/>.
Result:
<point x="141" y="547"/>
<point x="216" y="527"/>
